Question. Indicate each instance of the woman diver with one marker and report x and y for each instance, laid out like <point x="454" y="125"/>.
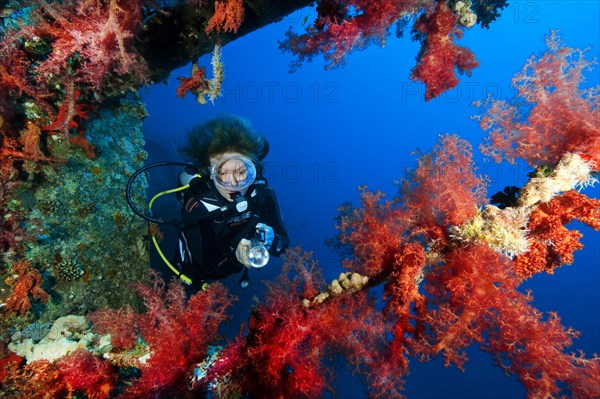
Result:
<point x="231" y="217"/>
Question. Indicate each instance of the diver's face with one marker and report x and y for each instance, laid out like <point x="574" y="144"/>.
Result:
<point x="230" y="173"/>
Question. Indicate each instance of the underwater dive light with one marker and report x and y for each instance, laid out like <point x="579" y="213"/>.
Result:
<point x="258" y="255"/>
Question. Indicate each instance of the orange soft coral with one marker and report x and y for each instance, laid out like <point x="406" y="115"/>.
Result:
<point x="228" y="16"/>
<point x="27" y="285"/>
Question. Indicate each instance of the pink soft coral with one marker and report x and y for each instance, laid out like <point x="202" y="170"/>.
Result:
<point x="444" y="189"/>
<point x="90" y="40"/>
<point x="552" y="114"/>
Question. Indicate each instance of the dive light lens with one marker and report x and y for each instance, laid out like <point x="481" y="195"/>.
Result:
<point x="258" y="256"/>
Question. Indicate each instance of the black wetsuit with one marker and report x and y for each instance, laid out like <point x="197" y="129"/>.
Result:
<point x="207" y="248"/>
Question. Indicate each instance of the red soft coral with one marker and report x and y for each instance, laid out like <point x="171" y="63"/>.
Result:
<point x="8" y="364"/>
<point x="445" y="299"/>
<point x="67" y="48"/>
<point x="176" y="331"/>
<point x="283" y="353"/>
<point x="444" y="189"/>
<point x="344" y="25"/>
<point x="197" y="83"/>
<point x="439" y="55"/>
<point x="120" y="324"/>
<point x="70" y="117"/>
<point x="84" y="372"/>
<point x="91" y="41"/>
<point x="405" y="301"/>
<point x="12" y="229"/>
<point x="77" y="373"/>
<point x="475" y="293"/>
<point x="282" y="348"/>
<point x="551" y="115"/>
<point x="552" y="244"/>
<point x="38" y="380"/>
<point x="15" y="80"/>
<point x="375" y="255"/>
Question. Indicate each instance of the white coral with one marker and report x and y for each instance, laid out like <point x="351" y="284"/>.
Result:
<point x="466" y="16"/>
<point x="68" y="334"/>
<point x="572" y="172"/>
<point x="505" y="230"/>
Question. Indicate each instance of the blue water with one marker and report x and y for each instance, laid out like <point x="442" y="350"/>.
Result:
<point x="331" y="131"/>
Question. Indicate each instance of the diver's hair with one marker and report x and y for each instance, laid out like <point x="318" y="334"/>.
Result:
<point x="225" y="134"/>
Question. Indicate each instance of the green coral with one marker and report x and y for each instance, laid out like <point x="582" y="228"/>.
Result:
<point x="541" y="172"/>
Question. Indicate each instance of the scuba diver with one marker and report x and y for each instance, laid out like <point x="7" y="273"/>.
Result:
<point x="230" y="218"/>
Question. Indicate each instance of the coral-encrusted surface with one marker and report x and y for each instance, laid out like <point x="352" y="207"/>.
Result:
<point x="87" y="241"/>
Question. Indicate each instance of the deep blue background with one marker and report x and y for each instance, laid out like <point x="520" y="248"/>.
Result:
<point x="333" y="130"/>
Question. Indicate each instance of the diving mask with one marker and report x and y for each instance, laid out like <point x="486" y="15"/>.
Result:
<point x="234" y="173"/>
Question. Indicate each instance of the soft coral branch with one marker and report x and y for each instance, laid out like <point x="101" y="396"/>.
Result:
<point x="552" y="244"/>
<point x="177" y="332"/>
<point x="68" y="53"/>
<point x="91" y="40"/>
<point x="27" y="285"/>
<point x="228" y="16"/>
<point x="553" y="113"/>
<point x="342" y="26"/>
<point x="439" y="55"/>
